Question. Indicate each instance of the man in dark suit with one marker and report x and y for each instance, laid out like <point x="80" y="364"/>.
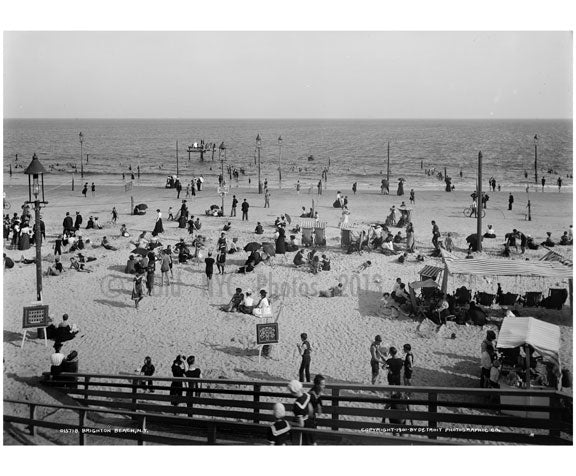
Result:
<point x="78" y="221"/>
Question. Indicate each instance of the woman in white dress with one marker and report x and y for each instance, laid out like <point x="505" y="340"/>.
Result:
<point x="263" y="308"/>
<point x="345" y="217"/>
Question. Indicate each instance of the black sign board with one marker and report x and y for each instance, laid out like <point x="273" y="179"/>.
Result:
<point x="267" y="333"/>
<point x="35" y="316"/>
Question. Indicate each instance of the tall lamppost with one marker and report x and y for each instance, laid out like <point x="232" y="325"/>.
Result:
<point x="279" y="162"/>
<point x="222" y="157"/>
<point x="258" y="146"/>
<point x="35" y="172"/>
<point x="536" y="159"/>
<point x="81" y="136"/>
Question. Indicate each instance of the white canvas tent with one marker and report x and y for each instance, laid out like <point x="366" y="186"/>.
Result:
<point x="544" y="337"/>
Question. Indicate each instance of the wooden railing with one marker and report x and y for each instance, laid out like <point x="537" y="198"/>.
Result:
<point x="213" y="431"/>
<point x="439" y="414"/>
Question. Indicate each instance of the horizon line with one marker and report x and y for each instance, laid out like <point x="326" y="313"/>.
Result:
<point x="302" y="118"/>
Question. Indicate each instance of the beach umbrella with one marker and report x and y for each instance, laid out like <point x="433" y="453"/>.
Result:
<point x="140" y="251"/>
<point x="252" y="246"/>
<point x="142" y="206"/>
<point x="288" y="218"/>
<point x="269" y="249"/>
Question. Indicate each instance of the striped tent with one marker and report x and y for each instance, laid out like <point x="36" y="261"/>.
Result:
<point x="543" y="336"/>
<point x="500" y="267"/>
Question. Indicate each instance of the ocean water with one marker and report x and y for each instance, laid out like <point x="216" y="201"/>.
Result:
<point x="355" y="150"/>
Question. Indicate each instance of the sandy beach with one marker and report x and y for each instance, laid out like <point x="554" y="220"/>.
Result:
<point x="185" y="317"/>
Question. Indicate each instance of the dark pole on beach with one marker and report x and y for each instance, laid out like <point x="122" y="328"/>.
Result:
<point x="479" y="205"/>
<point x="279" y="161"/>
<point x="536" y="159"/>
<point x="35" y="172"/>
<point x="81" y="136"/>
<point x="258" y="145"/>
<point x="388" y="167"/>
<point x="222" y="158"/>
<point x="177" y="163"/>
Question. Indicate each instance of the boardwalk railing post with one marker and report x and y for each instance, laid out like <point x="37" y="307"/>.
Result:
<point x="256" y="403"/>
<point x="211" y="433"/>
<point x="32" y="428"/>
<point x="432" y="408"/>
<point x="556" y="415"/>
<point x="142" y="431"/>
<point x="134" y="406"/>
<point x="86" y="387"/>
<point x="81" y="423"/>
<point x="335" y="404"/>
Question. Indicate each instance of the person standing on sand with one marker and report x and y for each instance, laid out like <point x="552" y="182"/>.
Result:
<point x="234" y="205"/>
<point x="412" y="199"/>
<point x="435" y="235"/>
<point x="150" y="280"/>
<point x="209" y="268"/>
<point x="266" y="198"/>
<point x="543" y="183"/>
<point x="85" y="189"/>
<point x="408" y="364"/>
<point x="410" y="242"/>
<point x="245" y="207"/>
<point x="164" y="267"/>
<point x="559" y="183"/>
<point x="510" y="201"/>
<point x="298" y="187"/>
<point x="304" y="349"/>
<point x="354" y="187"/>
<point x="93" y="188"/>
<point x="377" y="355"/>
<point x="114" y="215"/>
<point x="137" y="290"/>
<point x="319" y="187"/>
<point x="394" y="365"/>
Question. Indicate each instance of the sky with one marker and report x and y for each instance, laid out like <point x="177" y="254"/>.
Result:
<point x="287" y="74"/>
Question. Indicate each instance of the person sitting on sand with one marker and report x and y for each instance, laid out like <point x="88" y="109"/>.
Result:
<point x="55" y="270"/>
<point x="325" y="263"/>
<point x="402" y="258"/>
<point x="565" y="240"/>
<point x="90" y="224"/>
<point x="490" y="233"/>
<point x="299" y="259"/>
<point x="227" y="227"/>
<point x="548" y="241"/>
<point x="334" y="291"/>
<point x="400" y="296"/>
<point x="363" y="266"/>
<point x="398" y="238"/>
<point x="235" y="301"/>
<point x="247" y="304"/>
<point x="124" y="230"/>
<point x="315" y="265"/>
<point x="75" y="264"/>
<point x="259" y="230"/>
<point x="262" y="309"/>
<point x="292" y="245"/>
<point x="233" y="246"/>
<point x="106" y="244"/>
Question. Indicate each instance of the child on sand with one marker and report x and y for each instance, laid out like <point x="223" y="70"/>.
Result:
<point x="138" y="291"/>
<point x="304" y="349"/>
<point x="363" y="266"/>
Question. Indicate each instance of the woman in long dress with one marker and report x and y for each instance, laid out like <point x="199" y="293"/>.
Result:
<point x="281" y="241"/>
<point x="158" y="228"/>
<point x="178" y="370"/>
<point x="410" y="238"/>
<point x="344" y="217"/>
